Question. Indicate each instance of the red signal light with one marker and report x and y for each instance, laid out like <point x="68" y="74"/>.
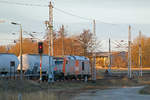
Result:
<point x="40" y="47"/>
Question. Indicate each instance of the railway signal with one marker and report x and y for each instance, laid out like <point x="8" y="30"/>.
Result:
<point x="40" y="47"/>
<point x="40" y="50"/>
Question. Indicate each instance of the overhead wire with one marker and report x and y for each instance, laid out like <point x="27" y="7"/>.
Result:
<point x="71" y="14"/>
<point x="23" y="4"/>
<point x="55" y="8"/>
<point x="81" y="17"/>
<point x="58" y="9"/>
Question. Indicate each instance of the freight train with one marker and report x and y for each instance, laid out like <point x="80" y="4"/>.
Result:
<point x="31" y="63"/>
<point x="8" y="63"/>
<point x="67" y="67"/>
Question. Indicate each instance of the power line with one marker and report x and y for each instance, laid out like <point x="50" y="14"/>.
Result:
<point x="71" y="14"/>
<point x="23" y="4"/>
<point x="58" y="9"/>
<point x="85" y="18"/>
<point x="65" y="12"/>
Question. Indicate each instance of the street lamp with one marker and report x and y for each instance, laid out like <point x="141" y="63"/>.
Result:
<point x="20" y="47"/>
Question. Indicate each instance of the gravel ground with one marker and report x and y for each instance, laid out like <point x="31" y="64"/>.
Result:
<point x="126" y="93"/>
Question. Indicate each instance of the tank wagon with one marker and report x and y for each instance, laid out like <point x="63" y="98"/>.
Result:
<point x="31" y="63"/>
<point x="72" y="67"/>
<point x="8" y="63"/>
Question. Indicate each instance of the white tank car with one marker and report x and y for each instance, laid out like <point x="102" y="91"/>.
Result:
<point x="8" y="62"/>
<point x="31" y="62"/>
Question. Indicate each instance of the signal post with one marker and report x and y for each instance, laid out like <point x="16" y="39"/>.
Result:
<point x="40" y="50"/>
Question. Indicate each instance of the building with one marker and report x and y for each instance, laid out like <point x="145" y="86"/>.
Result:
<point x="119" y="59"/>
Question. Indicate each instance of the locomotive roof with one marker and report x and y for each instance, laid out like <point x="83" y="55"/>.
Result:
<point x="72" y="57"/>
<point x="77" y="57"/>
<point x="35" y="54"/>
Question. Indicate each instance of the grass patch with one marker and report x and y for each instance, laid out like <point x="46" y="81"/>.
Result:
<point x="32" y="86"/>
<point x="65" y="89"/>
<point x="18" y="85"/>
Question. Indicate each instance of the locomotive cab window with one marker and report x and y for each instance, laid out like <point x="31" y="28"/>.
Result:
<point x="82" y="65"/>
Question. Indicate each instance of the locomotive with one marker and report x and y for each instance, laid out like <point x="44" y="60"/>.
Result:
<point x="72" y="67"/>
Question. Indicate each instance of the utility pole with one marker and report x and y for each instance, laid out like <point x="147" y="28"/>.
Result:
<point x="62" y="37"/>
<point x="129" y="52"/>
<point x="140" y="54"/>
<point x="93" y="53"/>
<point x="21" y="77"/>
<point x="109" y="70"/>
<point x="51" y="27"/>
<point x="50" y="72"/>
<point x="21" y="66"/>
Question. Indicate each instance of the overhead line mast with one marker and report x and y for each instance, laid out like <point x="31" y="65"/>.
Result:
<point x="50" y="35"/>
<point x="140" y="54"/>
<point x="51" y="27"/>
<point x="94" y="52"/>
<point x="110" y="58"/>
<point x="129" y="53"/>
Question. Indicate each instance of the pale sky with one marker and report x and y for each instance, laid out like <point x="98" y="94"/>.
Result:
<point x="118" y="12"/>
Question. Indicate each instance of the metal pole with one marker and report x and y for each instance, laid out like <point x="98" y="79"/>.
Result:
<point x="50" y="40"/>
<point x="10" y="72"/>
<point x="94" y="55"/>
<point x="40" y="67"/>
<point x="21" y="76"/>
<point x="94" y="67"/>
<point x="140" y="54"/>
<point x="129" y="53"/>
<point x="49" y="49"/>
<point x="109" y="70"/>
<point x="51" y="25"/>
<point x="49" y="70"/>
<point x="14" y="73"/>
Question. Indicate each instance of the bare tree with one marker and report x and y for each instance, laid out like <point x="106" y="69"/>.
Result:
<point x="85" y="38"/>
<point x="89" y="42"/>
<point x="62" y="36"/>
